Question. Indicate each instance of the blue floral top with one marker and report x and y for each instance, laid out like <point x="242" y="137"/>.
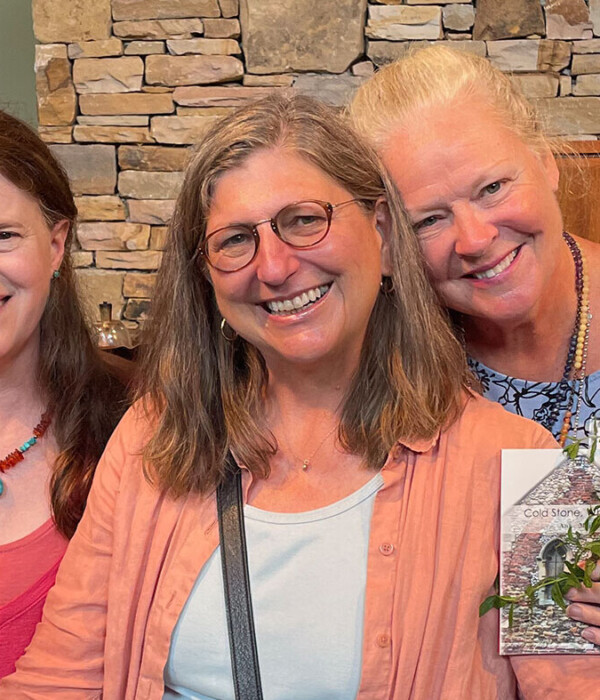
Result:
<point x="532" y="399"/>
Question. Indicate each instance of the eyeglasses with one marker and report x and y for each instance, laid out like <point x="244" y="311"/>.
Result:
<point x="300" y="225"/>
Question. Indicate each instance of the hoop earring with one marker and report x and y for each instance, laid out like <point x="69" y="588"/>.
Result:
<point x="228" y="338"/>
<point x="386" y="286"/>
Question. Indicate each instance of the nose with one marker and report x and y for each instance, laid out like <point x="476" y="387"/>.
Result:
<point x="474" y="232"/>
<point x="275" y="260"/>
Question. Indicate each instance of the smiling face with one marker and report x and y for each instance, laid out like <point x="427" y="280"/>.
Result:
<point x="297" y="305"/>
<point x="29" y="253"/>
<point x="484" y="208"/>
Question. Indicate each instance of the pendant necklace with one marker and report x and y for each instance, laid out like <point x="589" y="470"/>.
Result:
<point x="306" y="463"/>
<point x="18" y="455"/>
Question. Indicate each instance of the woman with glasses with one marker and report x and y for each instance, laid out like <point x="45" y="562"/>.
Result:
<point x="293" y="325"/>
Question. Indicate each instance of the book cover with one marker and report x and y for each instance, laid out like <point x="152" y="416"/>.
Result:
<point x="545" y="498"/>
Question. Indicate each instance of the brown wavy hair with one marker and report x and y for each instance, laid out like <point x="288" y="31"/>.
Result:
<point x="206" y="394"/>
<point x="82" y="396"/>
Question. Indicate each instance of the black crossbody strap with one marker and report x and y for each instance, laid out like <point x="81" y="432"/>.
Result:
<point x="236" y="583"/>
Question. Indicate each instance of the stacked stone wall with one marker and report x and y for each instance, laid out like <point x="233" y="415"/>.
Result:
<point x="125" y="86"/>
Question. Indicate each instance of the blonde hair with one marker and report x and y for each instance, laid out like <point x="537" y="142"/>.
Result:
<point x="206" y="393"/>
<point x="432" y="77"/>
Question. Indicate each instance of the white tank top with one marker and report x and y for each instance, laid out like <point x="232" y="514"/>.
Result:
<point x="308" y="575"/>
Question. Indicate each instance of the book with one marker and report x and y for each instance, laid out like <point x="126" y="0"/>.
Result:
<point x="543" y="494"/>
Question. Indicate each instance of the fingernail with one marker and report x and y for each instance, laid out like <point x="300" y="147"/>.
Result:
<point x="574" y="611"/>
<point x="588" y="635"/>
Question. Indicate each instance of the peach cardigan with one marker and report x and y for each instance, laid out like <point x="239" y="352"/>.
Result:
<point x="432" y="559"/>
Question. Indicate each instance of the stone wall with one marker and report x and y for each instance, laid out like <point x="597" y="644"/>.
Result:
<point x="124" y="86"/>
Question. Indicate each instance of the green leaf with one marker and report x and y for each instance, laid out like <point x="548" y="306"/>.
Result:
<point x="511" y="615"/>
<point x="572" y="449"/>
<point x="557" y="595"/>
<point x="593" y="450"/>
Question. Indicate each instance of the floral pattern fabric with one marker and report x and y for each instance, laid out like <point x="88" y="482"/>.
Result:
<point x="534" y="400"/>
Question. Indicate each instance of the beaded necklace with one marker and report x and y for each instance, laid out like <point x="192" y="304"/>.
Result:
<point x="17" y="455"/>
<point x="577" y="353"/>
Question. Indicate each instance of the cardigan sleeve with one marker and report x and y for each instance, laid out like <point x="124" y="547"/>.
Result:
<point x="65" y="657"/>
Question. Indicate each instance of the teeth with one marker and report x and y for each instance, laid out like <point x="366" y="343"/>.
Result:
<point x="299" y="302"/>
<point x="500" y="267"/>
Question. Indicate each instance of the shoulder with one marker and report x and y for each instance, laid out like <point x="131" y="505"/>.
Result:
<point x="488" y="423"/>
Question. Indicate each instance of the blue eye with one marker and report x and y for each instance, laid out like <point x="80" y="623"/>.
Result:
<point x="493" y="187"/>
<point x="426" y="223"/>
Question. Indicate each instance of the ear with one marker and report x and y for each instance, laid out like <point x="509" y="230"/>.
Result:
<point x="58" y="237"/>
<point x="551" y="169"/>
<point x="383" y="224"/>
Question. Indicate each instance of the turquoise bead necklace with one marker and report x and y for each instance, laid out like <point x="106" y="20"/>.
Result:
<point x="17" y="455"/>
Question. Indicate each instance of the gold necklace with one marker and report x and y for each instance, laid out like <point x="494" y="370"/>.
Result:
<point x="306" y="462"/>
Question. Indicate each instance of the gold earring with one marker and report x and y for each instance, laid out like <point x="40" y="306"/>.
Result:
<point x="229" y="338"/>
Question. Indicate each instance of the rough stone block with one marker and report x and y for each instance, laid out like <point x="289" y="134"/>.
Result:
<point x="137" y="309"/>
<point x="508" y="19"/>
<point x="514" y="55"/>
<point x="284" y="80"/>
<point x="108" y="74"/>
<point x="139" y="284"/>
<point x="102" y="208"/>
<point x="56" y="134"/>
<point x="595" y="16"/>
<point x="287" y="35"/>
<point x="128" y="103"/>
<point x="336" y="90"/>
<point x="587" y="84"/>
<point x="163" y="9"/>
<point x="568" y="19"/>
<point x="218" y="96"/>
<point x="554" y="55"/>
<point x="571" y="115"/>
<point x="458" y="17"/>
<point x="585" y="63"/>
<point x="76" y="20"/>
<point x="111" y="134"/>
<point x="153" y="158"/>
<point x="159" y="29"/>
<point x="57" y="102"/>
<point x="115" y="120"/>
<point x="587" y="46"/>
<point x="424" y="2"/>
<point x="81" y="258"/>
<point x="192" y="70"/>
<point x="180" y="130"/>
<point x="92" y="169"/>
<point x="113" y="236"/>
<point x="565" y="87"/>
<point x="144" y="48"/>
<point x="138" y="184"/>
<point x="401" y="22"/>
<point x="364" y="69"/>
<point x="138" y="260"/>
<point x="151" y="211"/>
<point x="209" y="47"/>
<point x="97" y="286"/>
<point x="383" y="52"/>
<point x="204" y="111"/>
<point x="158" y="237"/>
<point x="96" y="49"/>
<point x="229" y="8"/>
<point x="536" y="84"/>
<point x="222" y="28"/>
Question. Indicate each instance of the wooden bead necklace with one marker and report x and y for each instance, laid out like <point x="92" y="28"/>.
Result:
<point x="17" y="455"/>
<point x="578" y="345"/>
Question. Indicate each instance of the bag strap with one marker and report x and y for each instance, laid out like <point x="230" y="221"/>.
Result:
<point x="236" y="584"/>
